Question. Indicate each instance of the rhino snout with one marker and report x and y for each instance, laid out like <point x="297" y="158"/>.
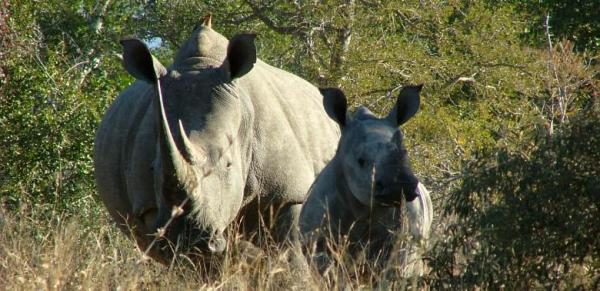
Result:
<point x="217" y="244"/>
<point x="410" y="191"/>
<point x="184" y="231"/>
<point x="210" y="244"/>
<point x="391" y="194"/>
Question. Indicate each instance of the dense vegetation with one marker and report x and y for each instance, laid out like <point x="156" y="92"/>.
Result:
<point x="508" y="138"/>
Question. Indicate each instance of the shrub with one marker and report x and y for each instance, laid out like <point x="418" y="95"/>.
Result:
<point x="528" y="219"/>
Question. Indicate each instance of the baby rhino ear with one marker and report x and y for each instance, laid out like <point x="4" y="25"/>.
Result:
<point x="334" y="101"/>
<point x="407" y="104"/>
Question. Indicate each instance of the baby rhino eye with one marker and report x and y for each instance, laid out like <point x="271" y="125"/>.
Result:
<point x="362" y="162"/>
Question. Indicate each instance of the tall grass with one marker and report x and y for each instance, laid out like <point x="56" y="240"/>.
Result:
<point x="68" y="253"/>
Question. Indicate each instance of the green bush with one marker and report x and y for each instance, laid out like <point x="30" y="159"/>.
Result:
<point x="529" y="219"/>
<point x="60" y="75"/>
<point x="576" y="20"/>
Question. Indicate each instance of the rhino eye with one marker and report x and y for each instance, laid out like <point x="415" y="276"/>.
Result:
<point x="362" y="162"/>
<point x="228" y="165"/>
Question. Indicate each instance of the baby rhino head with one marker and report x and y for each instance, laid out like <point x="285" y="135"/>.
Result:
<point x="371" y="156"/>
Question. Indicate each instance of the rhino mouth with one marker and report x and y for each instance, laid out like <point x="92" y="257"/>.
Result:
<point x="395" y="196"/>
<point x="184" y="238"/>
<point x="213" y="245"/>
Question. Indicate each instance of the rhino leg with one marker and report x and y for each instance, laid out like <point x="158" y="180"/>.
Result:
<point x="287" y="235"/>
<point x="129" y="223"/>
<point x="286" y="224"/>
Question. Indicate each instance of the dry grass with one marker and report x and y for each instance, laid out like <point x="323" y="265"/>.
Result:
<point x="71" y="253"/>
<point x="65" y="254"/>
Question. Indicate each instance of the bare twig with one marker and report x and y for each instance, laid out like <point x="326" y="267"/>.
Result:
<point x="561" y="101"/>
<point x="176" y="212"/>
<point x="76" y="65"/>
<point x="388" y="94"/>
<point x="344" y="38"/>
<point x="259" y="13"/>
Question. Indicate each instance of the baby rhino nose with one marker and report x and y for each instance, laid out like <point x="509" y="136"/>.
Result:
<point x="410" y="191"/>
<point x="391" y="193"/>
<point x="387" y="194"/>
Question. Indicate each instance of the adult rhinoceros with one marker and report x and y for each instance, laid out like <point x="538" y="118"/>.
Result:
<point x="230" y="133"/>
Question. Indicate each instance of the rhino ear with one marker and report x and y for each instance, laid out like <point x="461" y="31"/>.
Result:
<point x="335" y="104"/>
<point x="241" y="55"/>
<point x="139" y="62"/>
<point x="407" y="104"/>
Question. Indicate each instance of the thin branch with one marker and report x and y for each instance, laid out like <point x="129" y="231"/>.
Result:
<point x="552" y="66"/>
<point x="344" y="38"/>
<point x="75" y="66"/>
<point x="259" y="12"/>
<point x="161" y="231"/>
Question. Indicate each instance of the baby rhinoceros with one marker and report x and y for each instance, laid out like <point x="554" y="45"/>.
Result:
<point x="356" y="200"/>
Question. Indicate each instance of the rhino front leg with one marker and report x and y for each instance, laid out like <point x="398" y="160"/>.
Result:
<point x="286" y="224"/>
<point x="288" y="236"/>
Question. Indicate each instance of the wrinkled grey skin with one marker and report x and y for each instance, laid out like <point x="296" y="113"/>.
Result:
<point x="235" y="135"/>
<point x="360" y="192"/>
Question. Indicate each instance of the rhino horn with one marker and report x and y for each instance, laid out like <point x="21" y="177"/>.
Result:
<point x="207" y="20"/>
<point x="173" y="160"/>
<point x="190" y="152"/>
<point x="140" y="63"/>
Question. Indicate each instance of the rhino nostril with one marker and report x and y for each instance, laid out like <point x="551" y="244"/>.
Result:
<point x="217" y="245"/>
<point x="410" y="191"/>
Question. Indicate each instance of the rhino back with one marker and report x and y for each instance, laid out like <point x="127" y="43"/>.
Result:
<point x="293" y="136"/>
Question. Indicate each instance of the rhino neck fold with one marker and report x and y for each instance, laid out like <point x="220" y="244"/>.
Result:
<point x="358" y="210"/>
<point x="174" y="163"/>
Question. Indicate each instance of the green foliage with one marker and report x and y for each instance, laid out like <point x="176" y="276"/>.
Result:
<point x="576" y="20"/>
<point x="369" y="49"/>
<point x="57" y="85"/>
<point x="529" y="218"/>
